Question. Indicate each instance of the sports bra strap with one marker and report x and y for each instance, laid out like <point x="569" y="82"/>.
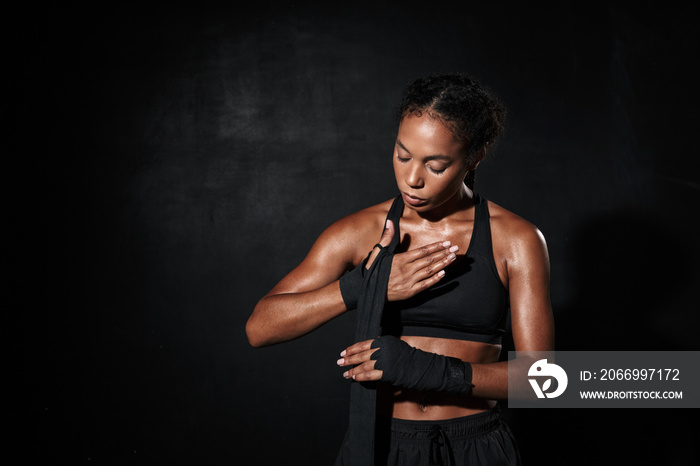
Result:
<point x="395" y="212"/>
<point x="481" y="236"/>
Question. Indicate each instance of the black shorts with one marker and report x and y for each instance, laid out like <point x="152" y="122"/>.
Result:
<point x="480" y="439"/>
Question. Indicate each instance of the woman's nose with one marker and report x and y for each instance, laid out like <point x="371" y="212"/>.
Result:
<point x="414" y="177"/>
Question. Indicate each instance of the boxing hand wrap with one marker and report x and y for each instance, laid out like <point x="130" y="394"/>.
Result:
<point x="408" y="367"/>
<point x="351" y="282"/>
<point x="351" y="286"/>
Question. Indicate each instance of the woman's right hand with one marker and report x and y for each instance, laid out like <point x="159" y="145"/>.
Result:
<point x="416" y="269"/>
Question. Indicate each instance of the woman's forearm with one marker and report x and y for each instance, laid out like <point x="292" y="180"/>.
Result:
<point x="396" y="362"/>
<point x="285" y="316"/>
<point x="490" y="380"/>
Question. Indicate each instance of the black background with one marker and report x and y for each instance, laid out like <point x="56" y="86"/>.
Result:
<point x="176" y="162"/>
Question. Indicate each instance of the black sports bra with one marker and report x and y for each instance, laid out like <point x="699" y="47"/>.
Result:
<point x="469" y="303"/>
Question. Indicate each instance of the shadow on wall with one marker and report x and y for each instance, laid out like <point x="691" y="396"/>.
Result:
<point x="632" y="292"/>
<point x="632" y="286"/>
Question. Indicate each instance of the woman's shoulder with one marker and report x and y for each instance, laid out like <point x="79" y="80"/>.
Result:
<point x="511" y="232"/>
<point x="508" y="220"/>
<point x="359" y="231"/>
<point x="363" y="220"/>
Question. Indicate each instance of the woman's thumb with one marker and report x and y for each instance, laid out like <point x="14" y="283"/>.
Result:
<point x="388" y="234"/>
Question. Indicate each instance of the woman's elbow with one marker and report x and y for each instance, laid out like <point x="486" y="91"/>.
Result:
<point x="255" y="336"/>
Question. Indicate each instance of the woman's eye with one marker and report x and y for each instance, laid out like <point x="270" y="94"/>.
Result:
<point x="438" y="171"/>
<point x="402" y="159"/>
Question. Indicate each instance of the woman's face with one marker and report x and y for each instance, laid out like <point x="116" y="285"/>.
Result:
<point x="428" y="162"/>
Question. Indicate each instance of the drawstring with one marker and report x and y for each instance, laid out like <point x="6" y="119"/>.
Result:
<point x="438" y="440"/>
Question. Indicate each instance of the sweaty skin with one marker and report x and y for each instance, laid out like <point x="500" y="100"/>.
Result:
<point x="436" y="227"/>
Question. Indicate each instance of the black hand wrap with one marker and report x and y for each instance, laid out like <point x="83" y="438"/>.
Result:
<point x="351" y="282"/>
<point x="351" y="285"/>
<point x="408" y="367"/>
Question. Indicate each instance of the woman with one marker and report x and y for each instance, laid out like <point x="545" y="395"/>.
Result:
<point x="453" y="264"/>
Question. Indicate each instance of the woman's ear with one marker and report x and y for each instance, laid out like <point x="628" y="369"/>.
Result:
<point x="479" y="156"/>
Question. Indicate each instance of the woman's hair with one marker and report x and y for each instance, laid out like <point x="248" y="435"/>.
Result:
<point x="473" y="114"/>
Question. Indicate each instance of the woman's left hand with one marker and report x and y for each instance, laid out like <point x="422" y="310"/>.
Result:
<point x="358" y="355"/>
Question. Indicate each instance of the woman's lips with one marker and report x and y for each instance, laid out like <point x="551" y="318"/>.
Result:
<point x="414" y="201"/>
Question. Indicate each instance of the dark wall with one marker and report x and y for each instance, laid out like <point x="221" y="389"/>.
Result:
<point x="180" y="161"/>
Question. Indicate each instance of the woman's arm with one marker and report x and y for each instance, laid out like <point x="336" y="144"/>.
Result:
<point x="532" y="321"/>
<point x="309" y="295"/>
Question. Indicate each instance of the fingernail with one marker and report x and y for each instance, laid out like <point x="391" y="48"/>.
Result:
<point x="342" y="354"/>
<point x="454" y="248"/>
<point x="345" y="374"/>
<point x="340" y="361"/>
<point x="441" y="273"/>
<point x="451" y="257"/>
<point x="446" y="244"/>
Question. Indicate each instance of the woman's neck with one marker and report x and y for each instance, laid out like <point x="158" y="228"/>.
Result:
<point x="451" y="209"/>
